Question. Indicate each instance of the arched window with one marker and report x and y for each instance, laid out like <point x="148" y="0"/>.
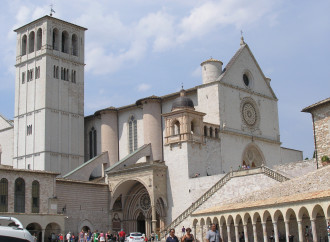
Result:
<point x="92" y="143"/>
<point x="54" y="72"/>
<point x="74" y="43"/>
<point x="211" y="132"/>
<point x="176" y="128"/>
<point x="132" y="134"/>
<point x="19" y="206"/>
<point x="65" y="42"/>
<point x="62" y="73"/>
<point x="205" y="131"/>
<point x="39" y="39"/>
<point x="57" y="72"/>
<point x="67" y="75"/>
<point x="24" y="43"/>
<point x="35" y="196"/>
<point x="216" y="133"/>
<point x="192" y="127"/>
<point x="4" y="195"/>
<point x="31" y="42"/>
<point x="55" y="39"/>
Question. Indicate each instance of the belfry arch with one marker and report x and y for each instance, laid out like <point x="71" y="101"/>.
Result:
<point x="252" y="156"/>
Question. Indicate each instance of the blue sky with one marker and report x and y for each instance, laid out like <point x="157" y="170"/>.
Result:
<point x="139" y="48"/>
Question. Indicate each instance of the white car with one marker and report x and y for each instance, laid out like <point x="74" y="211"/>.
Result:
<point x="135" y="237"/>
<point x="15" y="233"/>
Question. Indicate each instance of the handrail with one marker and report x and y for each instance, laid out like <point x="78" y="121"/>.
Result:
<point x="267" y="171"/>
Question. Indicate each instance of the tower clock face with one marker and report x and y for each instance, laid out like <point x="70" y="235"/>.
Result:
<point x="249" y="114"/>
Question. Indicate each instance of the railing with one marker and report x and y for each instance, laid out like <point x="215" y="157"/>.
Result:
<point x="267" y="171"/>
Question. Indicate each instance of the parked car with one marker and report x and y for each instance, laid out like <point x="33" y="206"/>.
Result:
<point x="135" y="237"/>
<point x="14" y="232"/>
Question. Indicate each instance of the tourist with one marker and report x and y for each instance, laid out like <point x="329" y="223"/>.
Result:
<point x="183" y="231"/>
<point x="213" y="235"/>
<point x="101" y="237"/>
<point x="81" y="236"/>
<point x="188" y="237"/>
<point x="95" y="236"/>
<point x="122" y="235"/>
<point x="307" y="232"/>
<point x="328" y="229"/>
<point x="68" y="236"/>
<point x="172" y="237"/>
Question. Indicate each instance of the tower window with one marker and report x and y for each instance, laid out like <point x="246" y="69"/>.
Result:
<point x="24" y="43"/>
<point x="4" y="195"/>
<point x="73" y="76"/>
<point x="37" y="72"/>
<point x="31" y="42"/>
<point x="55" y="39"/>
<point x="39" y="39"/>
<point x="29" y="129"/>
<point x="19" y="205"/>
<point x="92" y="143"/>
<point x="57" y="72"/>
<point x="246" y="80"/>
<point x="74" y="43"/>
<point x="132" y="134"/>
<point x="35" y="196"/>
<point x="65" y="42"/>
<point x="62" y="73"/>
<point x="23" y="77"/>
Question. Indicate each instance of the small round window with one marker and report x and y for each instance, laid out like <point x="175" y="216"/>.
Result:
<point x="246" y="80"/>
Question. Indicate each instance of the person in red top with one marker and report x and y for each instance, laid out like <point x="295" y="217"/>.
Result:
<point x="122" y="235"/>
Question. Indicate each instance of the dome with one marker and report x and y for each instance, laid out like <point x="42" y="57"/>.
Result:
<point x="182" y="101"/>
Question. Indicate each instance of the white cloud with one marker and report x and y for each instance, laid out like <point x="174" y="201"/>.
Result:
<point x="197" y="72"/>
<point x="143" y="87"/>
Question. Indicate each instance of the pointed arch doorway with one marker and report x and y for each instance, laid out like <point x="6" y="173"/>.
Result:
<point x="141" y="223"/>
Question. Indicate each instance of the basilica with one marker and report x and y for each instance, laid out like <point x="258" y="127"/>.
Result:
<point x="187" y="158"/>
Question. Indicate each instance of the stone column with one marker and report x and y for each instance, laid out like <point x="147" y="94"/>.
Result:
<point x="275" y="231"/>
<point x="264" y="231"/>
<point x="236" y="233"/>
<point x="287" y="230"/>
<point x="153" y="217"/>
<point x="246" y="236"/>
<point x="300" y="232"/>
<point x="152" y="125"/>
<point x="228" y="233"/>
<point x="202" y="234"/>
<point x="314" y="230"/>
<point x="255" y="236"/>
<point x="221" y="231"/>
<point x="109" y="134"/>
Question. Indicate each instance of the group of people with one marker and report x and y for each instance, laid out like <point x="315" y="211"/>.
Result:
<point x="88" y="236"/>
<point x="212" y="235"/>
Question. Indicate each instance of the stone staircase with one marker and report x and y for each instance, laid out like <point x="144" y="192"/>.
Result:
<point x="185" y="214"/>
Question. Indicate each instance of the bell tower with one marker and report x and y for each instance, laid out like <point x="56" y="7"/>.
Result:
<point x="49" y="96"/>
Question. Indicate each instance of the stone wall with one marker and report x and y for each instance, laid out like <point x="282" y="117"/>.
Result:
<point x="6" y="146"/>
<point x="46" y="190"/>
<point x="322" y="130"/>
<point x="84" y="204"/>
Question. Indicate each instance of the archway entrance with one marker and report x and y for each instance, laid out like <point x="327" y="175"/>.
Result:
<point x="52" y="229"/>
<point x="136" y="208"/>
<point x="86" y="228"/>
<point x="35" y="229"/>
<point x="141" y="224"/>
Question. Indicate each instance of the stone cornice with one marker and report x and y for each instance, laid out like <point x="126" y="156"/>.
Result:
<point x="47" y="151"/>
<point x="256" y="137"/>
<point x="51" y="109"/>
<point x="141" y="167"/>
<point x="184" y="110"/>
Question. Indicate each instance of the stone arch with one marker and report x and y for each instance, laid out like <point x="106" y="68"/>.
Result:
<point x="238" y="219"/>
<point x="51" y="228"/>
<point x="255" y="217"/>
<point x="302" y="211"/>
<point x="74" y="44"/>
<point x="246" y="217"/>
<point x="202" y="222"/>
<point x="317" y="209"/>
<point x="279" y="218"/>
<point x="85" y="223"/>
<point x="39" y="39"/>
<point x="35" y="229"/>
<point x="222" y="220"/>
<point x="175" y="127"/>
<point x="65" y="42"/>
<point x="24" y="45"/>
<point x="194" y="127"/>
<point x="19" y="205"/>
<point x="265" y="216"/>
<point x="56" y="39"/>
<point x="194" y="227"/>
<point x="252" y="154"/>
<point x="31" y="41"/>
<point x="289" y="213"/>
<point x="208" y="222"/>
<point x="277" y="214"/>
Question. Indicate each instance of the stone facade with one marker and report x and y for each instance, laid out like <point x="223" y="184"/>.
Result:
<point x="321" y="125"/>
